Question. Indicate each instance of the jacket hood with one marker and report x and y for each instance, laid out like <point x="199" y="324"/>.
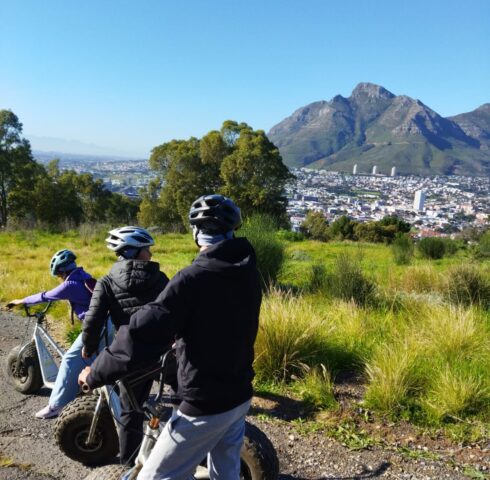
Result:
<point x="135" y="275"/>
<point x="78" y="275"/>
<point x="228" y="256"/>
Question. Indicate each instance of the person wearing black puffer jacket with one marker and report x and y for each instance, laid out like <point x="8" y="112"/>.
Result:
<point x="211" y="309"/>
<point x="134" y="281"/>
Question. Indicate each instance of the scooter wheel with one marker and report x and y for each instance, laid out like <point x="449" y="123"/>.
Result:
<point x="25" y="376"/>
<point x="72" y="428"/>
<point x="109" y="472"/>
<point x="258" y="457"/>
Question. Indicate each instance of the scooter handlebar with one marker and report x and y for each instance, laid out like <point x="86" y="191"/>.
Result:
<point x="86" y="388"/>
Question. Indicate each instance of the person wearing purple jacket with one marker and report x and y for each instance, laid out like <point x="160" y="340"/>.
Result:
<point x="75" y="287"/>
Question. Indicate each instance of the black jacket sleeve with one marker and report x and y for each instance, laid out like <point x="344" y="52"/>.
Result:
<point x="95" y="318"/>
<point x="149" y="334"/>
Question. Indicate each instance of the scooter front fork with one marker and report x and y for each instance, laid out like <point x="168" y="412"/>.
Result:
<point x="95" y="419"/>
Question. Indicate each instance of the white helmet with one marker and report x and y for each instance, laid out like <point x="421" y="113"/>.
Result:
<point x="122" y="238"/>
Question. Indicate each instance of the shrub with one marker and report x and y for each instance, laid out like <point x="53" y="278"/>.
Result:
<point x="431" y="247"/>
<point x="261" y="232"/>
<point x="318" y="278"/>
<point x="467" y="285"/>
<point x="291" y="236"/>
<point x="484" y="245"/>
<point x="402" y="249"/>
<point x="348" y="282"/>
<point x="450" y="247"/>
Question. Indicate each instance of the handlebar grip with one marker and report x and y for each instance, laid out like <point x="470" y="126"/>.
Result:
<point x="86" y="388"/>
<point x="9" y="306"/>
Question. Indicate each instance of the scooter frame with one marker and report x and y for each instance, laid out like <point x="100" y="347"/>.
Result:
<point x="40" y="336"/>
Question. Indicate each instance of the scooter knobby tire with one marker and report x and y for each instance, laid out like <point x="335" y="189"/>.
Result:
<point x="258" y="456"/>
<point x="72" y="427"/>
<point x="109" y="472"/>
<point x="27" y="377"/>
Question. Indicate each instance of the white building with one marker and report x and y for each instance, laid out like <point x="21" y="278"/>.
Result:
<point x="393" y="171"/>
<point x="354" y="170"/>
<point x="419" y="200"/>
<point x="375" y="170"/>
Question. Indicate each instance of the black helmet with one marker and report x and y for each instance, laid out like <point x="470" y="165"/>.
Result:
<point x="215" y="214"/>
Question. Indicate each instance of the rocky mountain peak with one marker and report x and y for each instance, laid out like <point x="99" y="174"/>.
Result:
<point x="370" y="90"/>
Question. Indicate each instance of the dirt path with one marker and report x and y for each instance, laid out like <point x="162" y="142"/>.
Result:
<point x="27" y="449"/>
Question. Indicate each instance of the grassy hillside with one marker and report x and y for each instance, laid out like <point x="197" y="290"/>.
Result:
<point x="421" y="354"/>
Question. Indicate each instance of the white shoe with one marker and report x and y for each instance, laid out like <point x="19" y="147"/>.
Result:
<point x="48" y="412"/>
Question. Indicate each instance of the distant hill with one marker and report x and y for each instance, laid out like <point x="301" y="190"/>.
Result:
<point x="70" y="158"/>
<point x="375" y="127"/>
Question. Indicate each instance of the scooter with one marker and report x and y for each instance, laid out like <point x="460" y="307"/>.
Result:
<point x="35" y="362"/>
<point x="85" y="431"/>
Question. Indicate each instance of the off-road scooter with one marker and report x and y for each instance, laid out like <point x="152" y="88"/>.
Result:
<point x="34" y="363"/>
<point x="85" y="431"/>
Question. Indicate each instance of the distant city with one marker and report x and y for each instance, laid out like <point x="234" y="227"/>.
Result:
<point x="435" y="205"/>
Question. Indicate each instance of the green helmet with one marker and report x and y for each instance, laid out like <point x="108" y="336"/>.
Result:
<point x="62" y="261"/>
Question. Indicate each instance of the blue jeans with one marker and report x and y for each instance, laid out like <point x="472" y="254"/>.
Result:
<point x="186" y="440"/>
<point x="66" y="385"/>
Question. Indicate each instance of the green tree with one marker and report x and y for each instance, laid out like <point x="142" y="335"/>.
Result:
<point x="343" y="228"/>
<point x="315" y="226"/>
<point x="236" y="161"/>
<point x="254" y="175"/>
<point x="18" y="170"/>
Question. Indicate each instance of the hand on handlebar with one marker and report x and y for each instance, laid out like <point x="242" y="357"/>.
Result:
<point x="13" y="303"/>
<point x="82" y="378"/>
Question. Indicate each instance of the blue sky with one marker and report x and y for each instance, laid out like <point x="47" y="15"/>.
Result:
<point x="130" y="75"/>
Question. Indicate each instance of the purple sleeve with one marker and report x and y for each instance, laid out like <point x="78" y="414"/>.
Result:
<point x="61" y="292"/>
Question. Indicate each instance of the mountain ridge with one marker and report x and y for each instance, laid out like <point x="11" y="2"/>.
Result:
<point x="376" y="127"/>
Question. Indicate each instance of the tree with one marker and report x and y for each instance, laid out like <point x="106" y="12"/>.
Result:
<point x="18" y="170"/>
<point x="254" y="175"/>
<point x="235" y="161"/>
<point x="343" y="228"/>
<point x="316" y="227"/>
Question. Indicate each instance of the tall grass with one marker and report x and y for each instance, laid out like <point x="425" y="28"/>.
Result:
<point x="425" y="351"/>
<point x="291" y="335"/>
<point x="392" y="375"/>
<point x="456" y="393"/>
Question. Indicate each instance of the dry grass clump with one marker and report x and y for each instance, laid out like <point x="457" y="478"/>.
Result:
<point x="420" y="279"/>
<point x="468" y="284"/>
<point x="454" y="333"/>
<point x="315" y="388"/>
<point x="393" y="375"/>
<point x="456" y="393"/>
<point x="291" y="334"/>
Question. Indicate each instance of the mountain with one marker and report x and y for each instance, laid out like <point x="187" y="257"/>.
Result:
<point x="375" y="127"/>
<point x="75" y="147"/>
<point x="476" y="124"/>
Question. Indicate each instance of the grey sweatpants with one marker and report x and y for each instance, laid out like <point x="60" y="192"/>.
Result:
<point x="186" y="441"/>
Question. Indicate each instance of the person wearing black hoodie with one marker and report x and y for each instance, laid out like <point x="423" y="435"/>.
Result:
<point x="211" y="309"/>
<point x="134" y="280"/>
